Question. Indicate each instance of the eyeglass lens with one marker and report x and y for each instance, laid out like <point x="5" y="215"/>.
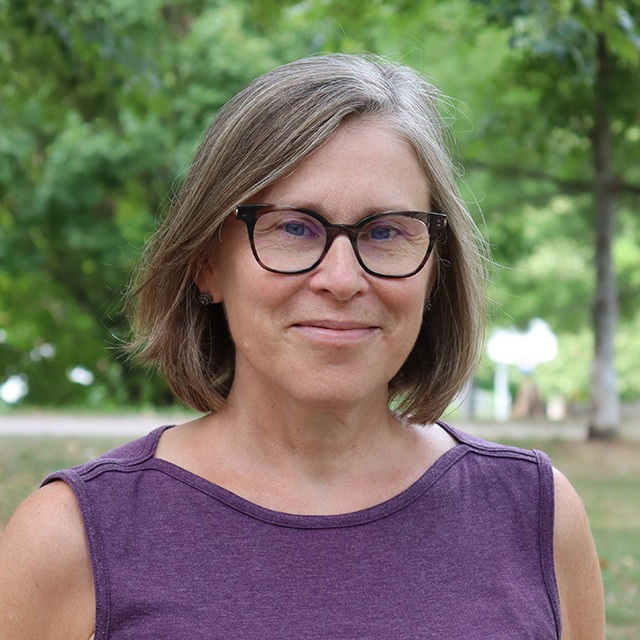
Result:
<point x="390" y="244"/>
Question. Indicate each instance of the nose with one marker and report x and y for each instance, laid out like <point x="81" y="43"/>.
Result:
<point x="340" y="272"/>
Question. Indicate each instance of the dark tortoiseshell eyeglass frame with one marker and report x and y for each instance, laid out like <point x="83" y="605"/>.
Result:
<point x="250" y="213"/>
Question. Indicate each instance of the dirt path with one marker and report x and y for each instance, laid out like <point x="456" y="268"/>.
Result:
<point x="132" y="425"/>
<point x="43" y="423"/>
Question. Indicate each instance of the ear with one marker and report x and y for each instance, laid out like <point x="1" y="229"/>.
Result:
<point x="207" y="278"/>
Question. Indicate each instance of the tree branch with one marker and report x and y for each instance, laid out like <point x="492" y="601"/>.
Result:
<point x="570" y="186"/>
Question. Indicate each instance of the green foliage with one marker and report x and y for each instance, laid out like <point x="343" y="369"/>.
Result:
<point x="102" y="105"/>
<point x="540" y="105"/>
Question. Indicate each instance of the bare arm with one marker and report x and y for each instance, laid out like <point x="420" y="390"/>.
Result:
<point x="46" y="583"/>
<point x="577" y="567"/>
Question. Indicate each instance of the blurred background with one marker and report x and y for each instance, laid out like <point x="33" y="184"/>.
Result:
<point x="102" y="105"/>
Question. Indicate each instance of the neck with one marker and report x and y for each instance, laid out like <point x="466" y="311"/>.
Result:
<point x="306" y="457"/>
<point x="307" y="461"/>
<point x="317" y="440"/>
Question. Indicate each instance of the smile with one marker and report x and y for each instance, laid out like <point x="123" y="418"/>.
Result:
<point x="335" y="332"/>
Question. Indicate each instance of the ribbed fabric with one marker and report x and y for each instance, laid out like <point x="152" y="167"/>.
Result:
<point x="466" y="553"/>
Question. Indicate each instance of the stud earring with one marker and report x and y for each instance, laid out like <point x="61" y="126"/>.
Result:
<point x="428" y="305"/>
<point x="205" y="299"/>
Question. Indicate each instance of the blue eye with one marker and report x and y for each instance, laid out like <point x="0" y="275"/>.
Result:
<point x="381" y="233"/>
<point x="295" y="228"/>
<point x="384" y="231"/>
<point x="298" y="225"/>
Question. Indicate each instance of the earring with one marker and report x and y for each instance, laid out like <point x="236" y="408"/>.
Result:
<point x="205" y="299"/>
<point x="428" y="304"/>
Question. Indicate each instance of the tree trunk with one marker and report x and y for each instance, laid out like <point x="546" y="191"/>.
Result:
<point x="604" y="415"/>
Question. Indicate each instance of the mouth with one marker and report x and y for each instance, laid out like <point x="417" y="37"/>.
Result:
<point x="335" y="325"/>
<point x="335" y="331"/>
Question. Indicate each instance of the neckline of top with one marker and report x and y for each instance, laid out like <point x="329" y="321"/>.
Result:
<point x="299" y="521"/>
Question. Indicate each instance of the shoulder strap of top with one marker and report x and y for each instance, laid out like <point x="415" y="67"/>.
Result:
<point x="131" y="453"/>
<point x="96" y="547"/>
<point x="546" y="502"/>
<point x="545" y="530"/>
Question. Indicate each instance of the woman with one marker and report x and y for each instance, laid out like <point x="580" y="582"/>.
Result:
<point x="318" y="268"/>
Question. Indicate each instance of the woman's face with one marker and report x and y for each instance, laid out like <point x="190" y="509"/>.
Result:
<point x="333" y="337"/>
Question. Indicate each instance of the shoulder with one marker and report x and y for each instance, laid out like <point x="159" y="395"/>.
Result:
<point x="577" y="566"/>
<point x="124" y="457"/>
<point x="49" y="519"/>
<point x="47" y="586"/>
<point x="492" y="450"/>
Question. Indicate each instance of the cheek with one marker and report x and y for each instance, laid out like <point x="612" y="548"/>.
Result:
<point x="409" y="299"/>
<point x="413" y="309"/>
<point x="254" y="305"/>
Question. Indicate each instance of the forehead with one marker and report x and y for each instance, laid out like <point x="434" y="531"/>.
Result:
<point x="365" y="166"/>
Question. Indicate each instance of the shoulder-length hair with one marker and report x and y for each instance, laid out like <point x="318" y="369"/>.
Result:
<point x="261" y="135"/>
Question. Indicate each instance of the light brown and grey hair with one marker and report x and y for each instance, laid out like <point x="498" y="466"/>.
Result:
<point x="260" y="135"/>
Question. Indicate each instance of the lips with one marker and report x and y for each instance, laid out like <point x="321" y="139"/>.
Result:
<point x="335" y="332"/>
<point x="335" y="325"/>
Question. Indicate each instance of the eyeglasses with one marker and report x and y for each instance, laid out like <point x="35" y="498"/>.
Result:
<point x="392" y="244"/>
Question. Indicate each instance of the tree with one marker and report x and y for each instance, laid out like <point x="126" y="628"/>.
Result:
<point x="580" y="60"/>
<point x="102" y="105"/>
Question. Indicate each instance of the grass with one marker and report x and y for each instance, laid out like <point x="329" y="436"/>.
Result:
<point x="605" y="474"/>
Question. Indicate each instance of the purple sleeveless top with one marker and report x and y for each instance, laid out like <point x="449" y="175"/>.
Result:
<point x="465" y="553"/>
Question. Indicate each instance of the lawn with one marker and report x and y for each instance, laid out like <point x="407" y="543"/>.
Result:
<point x="606" y="474"/>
